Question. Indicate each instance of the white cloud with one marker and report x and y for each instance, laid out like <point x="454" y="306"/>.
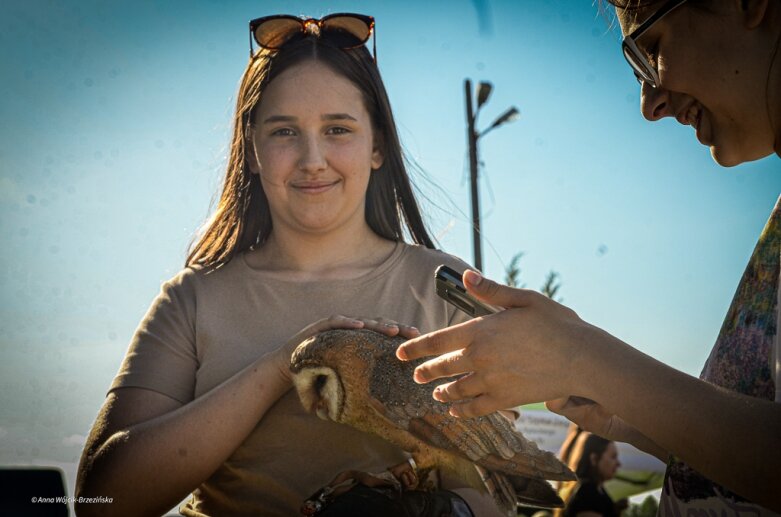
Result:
<point x="74" y="440"/>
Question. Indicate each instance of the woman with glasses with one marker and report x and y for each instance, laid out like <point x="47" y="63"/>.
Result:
<point x="310" y="223"/>
<point x="714" y="65"/>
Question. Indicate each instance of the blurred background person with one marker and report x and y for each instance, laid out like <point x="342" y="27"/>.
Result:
<point x="595" y="460"/>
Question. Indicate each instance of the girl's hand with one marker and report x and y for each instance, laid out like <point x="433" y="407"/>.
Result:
<point x="382" y="325"/>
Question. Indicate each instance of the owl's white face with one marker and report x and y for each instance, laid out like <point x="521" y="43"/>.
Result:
<point x="320" y="392"/>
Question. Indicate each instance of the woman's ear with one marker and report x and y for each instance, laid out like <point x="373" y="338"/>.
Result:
<point x="250" y="151"/>
<point x="252" y="160"/>
<point x="594" y="458"/>
<point x="250" y="155"/>
<point x="378" y="157"/>
<point x="753" y="12"/>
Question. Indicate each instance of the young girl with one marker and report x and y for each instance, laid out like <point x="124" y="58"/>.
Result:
<point x="310" y="227"/>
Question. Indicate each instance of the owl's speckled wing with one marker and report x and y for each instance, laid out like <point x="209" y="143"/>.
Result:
<point x="353" y="377"/>
<point x="489" y="441"/>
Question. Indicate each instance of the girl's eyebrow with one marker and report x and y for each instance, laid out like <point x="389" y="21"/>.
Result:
<point x="287" y="118"/>
<point x="279" y="118"/>
<point x="338" y="116"/>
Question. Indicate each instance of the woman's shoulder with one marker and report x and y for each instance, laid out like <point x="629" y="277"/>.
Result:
<point x="418" y="256"/>
<point x="586" y="497"/>
<point x="587" y="488"/>
<point x="194" y="277"/>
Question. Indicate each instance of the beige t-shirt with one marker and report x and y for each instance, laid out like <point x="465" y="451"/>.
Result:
<point x="204" y="327"/>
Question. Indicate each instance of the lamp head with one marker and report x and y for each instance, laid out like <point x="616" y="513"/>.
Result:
<point x="483" y="92"/>
<point x="510" y="115"/>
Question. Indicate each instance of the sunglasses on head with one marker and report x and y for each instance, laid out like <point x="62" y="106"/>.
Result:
<point x="344" y="30"/>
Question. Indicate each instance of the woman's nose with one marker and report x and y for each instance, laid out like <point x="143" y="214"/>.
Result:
<point x="654" y="102"/>
<point x="312" y="156"/>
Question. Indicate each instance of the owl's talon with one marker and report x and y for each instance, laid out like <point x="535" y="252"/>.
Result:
<point x="342" y="489"/>
<point x="406" y="473"/>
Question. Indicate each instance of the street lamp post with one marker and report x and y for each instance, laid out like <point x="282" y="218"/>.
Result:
<point x="472" y="137"/>
<point x="483" y="92"/>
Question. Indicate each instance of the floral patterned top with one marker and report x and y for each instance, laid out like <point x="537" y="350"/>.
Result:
<point x="745" y="359"/>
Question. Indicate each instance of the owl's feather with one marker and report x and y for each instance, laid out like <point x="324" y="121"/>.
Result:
<point x="378" y="395"/>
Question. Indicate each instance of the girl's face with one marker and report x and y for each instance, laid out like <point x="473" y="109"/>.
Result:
<point x="314" y="149"/>
<point x="608" y="463"/>
<point x="713" y="65"/>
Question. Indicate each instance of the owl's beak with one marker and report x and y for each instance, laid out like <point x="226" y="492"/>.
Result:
<point x="320" y="392"/>
<point x="321" y="409"/>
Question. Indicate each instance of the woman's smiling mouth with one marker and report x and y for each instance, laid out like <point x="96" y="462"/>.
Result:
<point x="314" y="187"/>
<point x="692" y="116"/>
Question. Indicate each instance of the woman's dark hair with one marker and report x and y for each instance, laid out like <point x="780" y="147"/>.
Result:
<point x="605" y="7"/>
<point x="242" y="219"/>
<point x="633" y="6"/>
<point x="576" y="453"/>
<point x="585" y="469"/>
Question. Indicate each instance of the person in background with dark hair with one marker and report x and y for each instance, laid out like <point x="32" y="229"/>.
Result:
<point x="310" y="223"/>
<point x="594" y="460"/>
<point x="716" y="66"/>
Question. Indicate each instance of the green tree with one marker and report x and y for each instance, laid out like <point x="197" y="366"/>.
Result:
<point x="513" y="272"/>
<point x="513" y="278"/>
<point x="551" y="286"/>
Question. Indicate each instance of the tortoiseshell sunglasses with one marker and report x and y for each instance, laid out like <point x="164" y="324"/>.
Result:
<point x="345" y="30"/>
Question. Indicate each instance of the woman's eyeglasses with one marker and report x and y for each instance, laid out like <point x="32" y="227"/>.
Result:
<point x="344" y="30"/>
<point x="637" y="59"/>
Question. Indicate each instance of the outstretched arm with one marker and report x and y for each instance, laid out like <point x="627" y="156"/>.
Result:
<point x="540" y="350"/>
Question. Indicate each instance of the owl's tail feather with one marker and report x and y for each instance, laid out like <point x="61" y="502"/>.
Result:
<point x="540" y="465"/>
<point x="535" y="492"/>
<point x="508" y="491"/>
<point x="500" y="489"/>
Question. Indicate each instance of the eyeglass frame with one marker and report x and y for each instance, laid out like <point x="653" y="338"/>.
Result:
<point x="368" y="20"/>
<point x="629" y="45"/>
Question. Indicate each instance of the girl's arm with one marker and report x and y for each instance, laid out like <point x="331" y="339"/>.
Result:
<point x="147" y="451"/>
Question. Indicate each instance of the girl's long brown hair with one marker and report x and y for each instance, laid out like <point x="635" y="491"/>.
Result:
<point x="242" y="219"/>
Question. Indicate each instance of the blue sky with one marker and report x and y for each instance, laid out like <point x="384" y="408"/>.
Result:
<point x="114" y="135"/>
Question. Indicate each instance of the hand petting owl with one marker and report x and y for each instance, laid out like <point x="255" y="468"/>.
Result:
<point x="353" y="377"/>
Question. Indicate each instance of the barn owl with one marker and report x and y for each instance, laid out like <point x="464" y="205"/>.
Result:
<point x="353" y="377"/>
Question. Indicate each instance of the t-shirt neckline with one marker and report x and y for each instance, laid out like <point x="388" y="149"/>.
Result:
<point x="381" y="269"/>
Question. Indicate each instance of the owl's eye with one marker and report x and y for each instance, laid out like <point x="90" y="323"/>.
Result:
<point x="320" y="381"/>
